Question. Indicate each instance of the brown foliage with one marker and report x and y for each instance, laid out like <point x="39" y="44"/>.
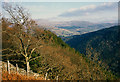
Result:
<point x="14" y="76"/>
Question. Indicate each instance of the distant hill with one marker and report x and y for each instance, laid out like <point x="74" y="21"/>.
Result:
<point x="101" y="45"/>
<point x="69" y="28"/>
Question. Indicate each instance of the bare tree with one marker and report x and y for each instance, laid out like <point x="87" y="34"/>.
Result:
<point x="21" y="34"/>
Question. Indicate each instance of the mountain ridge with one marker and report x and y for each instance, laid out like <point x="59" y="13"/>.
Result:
<point x="102" y="45"/>
<point x="69" y="28"/>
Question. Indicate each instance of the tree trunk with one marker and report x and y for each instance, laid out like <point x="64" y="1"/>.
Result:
<point x="28" y="66"/>
<point x="8" y="66"/>
<point x="17" y="69"/>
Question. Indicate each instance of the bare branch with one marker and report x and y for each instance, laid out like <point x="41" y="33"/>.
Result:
<point x="9" y="55"/>
<point x="16" y="61"/>
<point x="14" y="51"/>
<point x="34" y="58"/>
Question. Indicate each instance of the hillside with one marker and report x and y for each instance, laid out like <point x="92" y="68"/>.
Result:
<point x="54" y="57"/>
<point x="102" y="45"/>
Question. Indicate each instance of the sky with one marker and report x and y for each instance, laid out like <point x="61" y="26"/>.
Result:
<point x="73" y="11"/>
<point x="69" y="11"/>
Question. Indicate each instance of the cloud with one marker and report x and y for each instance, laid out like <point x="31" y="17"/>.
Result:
<point x="90" y="9"/>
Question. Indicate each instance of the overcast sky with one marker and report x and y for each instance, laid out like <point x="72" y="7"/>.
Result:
<point x="68" y="11"/>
